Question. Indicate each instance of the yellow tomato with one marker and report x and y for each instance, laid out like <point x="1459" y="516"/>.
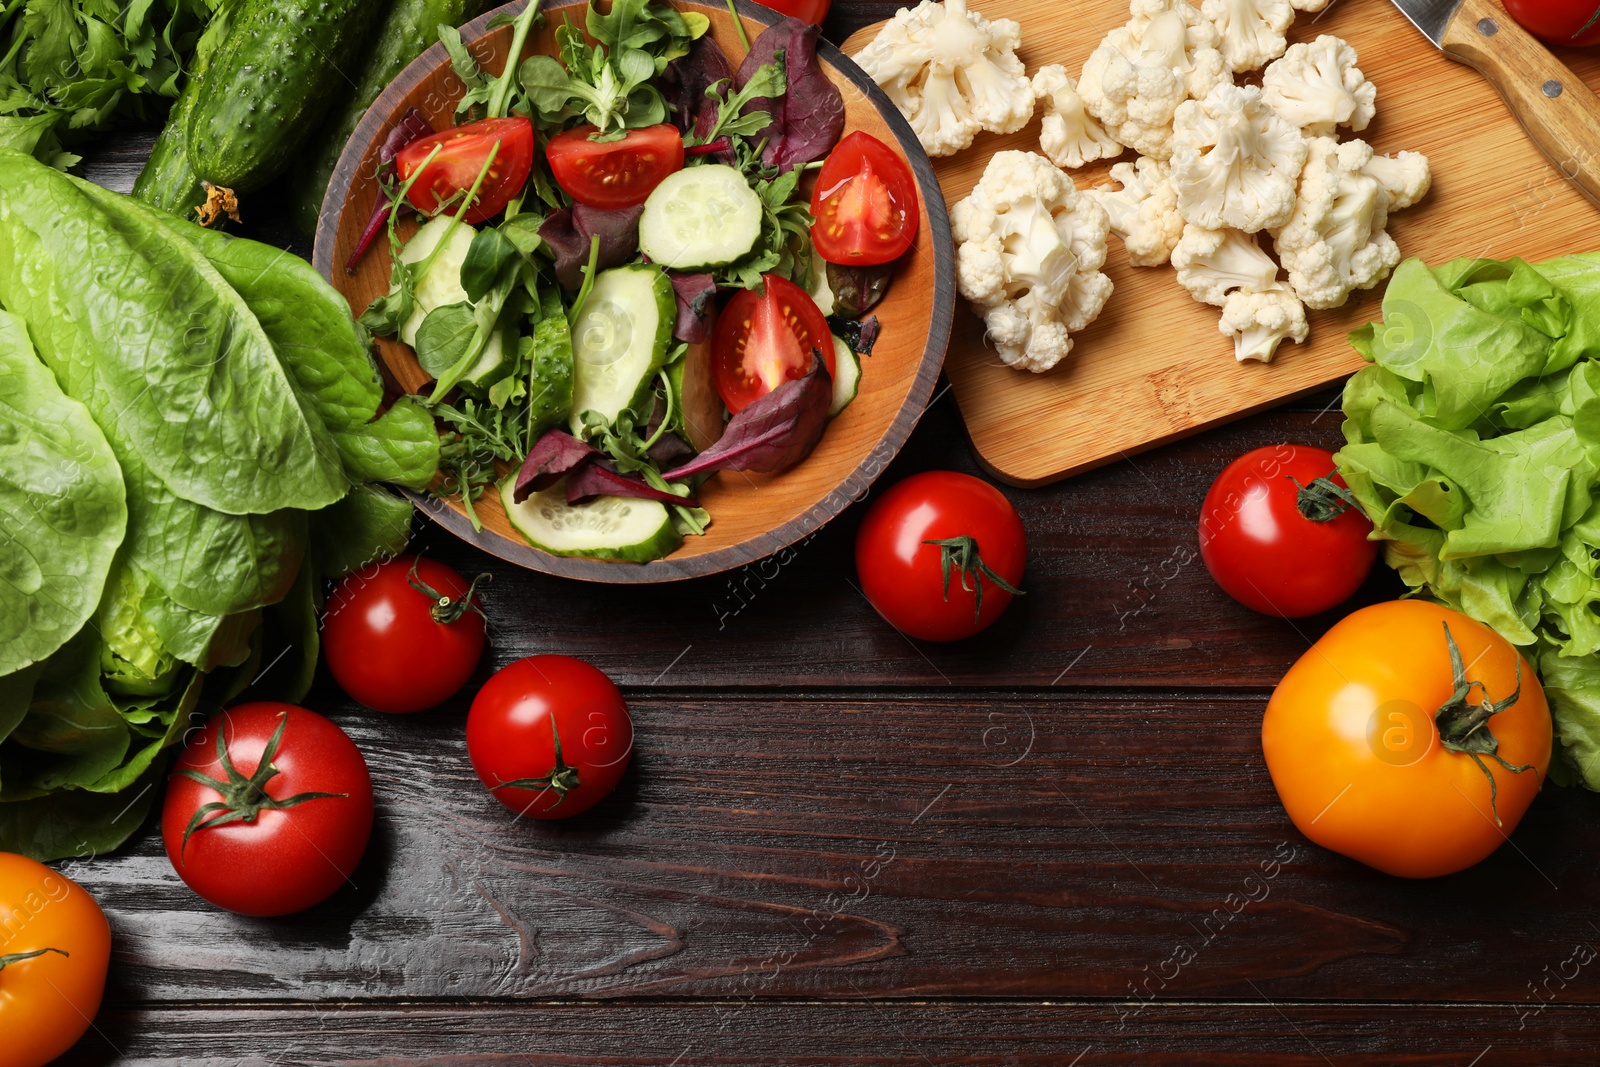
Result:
<point x="55" y="946"/>
<point x="1385" y="748"/>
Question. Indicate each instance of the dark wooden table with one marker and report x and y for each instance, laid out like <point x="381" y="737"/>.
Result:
<point x="1054" y="844"/>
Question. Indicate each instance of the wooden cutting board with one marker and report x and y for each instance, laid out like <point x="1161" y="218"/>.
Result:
<point x="1154" y="367"/>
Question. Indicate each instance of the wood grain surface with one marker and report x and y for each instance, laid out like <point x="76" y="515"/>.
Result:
<point x="753" y="515"/>
<point x="1153" y="368"/>
<point x="828" y="852"/>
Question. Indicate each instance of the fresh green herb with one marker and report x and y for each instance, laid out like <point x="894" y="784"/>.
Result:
<point x="732" y="121"/>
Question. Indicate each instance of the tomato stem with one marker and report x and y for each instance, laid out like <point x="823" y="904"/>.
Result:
<point x="1464" y="727"/>
<point x="962" y="552"/>
<point x="1324" y="499"/>
<point x="446" y="611"/>
<point x="6" y="961"/>
<point x="562" y="779"/>
<point x="243" y="799"/>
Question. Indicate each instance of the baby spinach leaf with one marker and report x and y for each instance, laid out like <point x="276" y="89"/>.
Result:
<point x="487" y="258"/>
<point x="445" y="337"/>
<point x="63" y="511"/>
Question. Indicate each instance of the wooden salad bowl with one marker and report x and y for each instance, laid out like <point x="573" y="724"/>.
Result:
<point x="753" y="515"/>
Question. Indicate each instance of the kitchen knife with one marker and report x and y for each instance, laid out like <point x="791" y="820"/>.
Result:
<point x="1559" y="112"/>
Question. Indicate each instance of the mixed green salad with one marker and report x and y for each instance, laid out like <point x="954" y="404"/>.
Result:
<point x="624" y="278"/>
<point x="1474" y="447"/>
<point x="190" y="425"/>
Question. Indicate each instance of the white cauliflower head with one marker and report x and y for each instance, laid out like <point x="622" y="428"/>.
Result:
<point x="1318" y="87"/>
<point x="1031" y="248"/>
<point x="1234" y="162"/>
<point x="1144" y="212"/>
<point x="1070" y="135"/>
<point x="1406" y="178"/>
<point x="1259" y="322"/>
<point x="1336" y="241"/>
<point x="951" y="72"/>
<point x="1251" y="31"/>
<point x="1213" y="263"/>
<point x="1142" y="71"/>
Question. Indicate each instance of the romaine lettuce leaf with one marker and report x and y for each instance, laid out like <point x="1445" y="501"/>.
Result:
<point x="63" y="512"/>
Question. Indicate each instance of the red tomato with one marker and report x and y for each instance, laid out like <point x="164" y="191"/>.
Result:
<point x="812" y="11"/>
<point x="765" y="340"/>
<point x="615" y="174"/>
<point x="940" y="555"/>
<point x="865" y="204"/>
<point x="462" y="154"/>
<point x="1570" y="22"/>
<point x="268" y="810"/>
<point x="404" y="635"/>
<point x="549" y="736"/>
<point x="1279" y="539"/>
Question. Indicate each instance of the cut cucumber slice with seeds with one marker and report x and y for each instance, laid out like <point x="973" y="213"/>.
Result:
<point x="620" y="341"/>
<point x="847" y="380"/>
<point x="706" y="216"/>
<point x="608" y="528"/>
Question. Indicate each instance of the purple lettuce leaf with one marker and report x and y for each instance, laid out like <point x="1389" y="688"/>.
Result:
<point x="684" y="84"/>
<point x="569" y="232"/>
<point x="411" y="127"/>
<point x="808" y="120"/>
<point x="552" y="457"/>
<point x="597" y="477"/>
<point x="695" y="293"/>
<point x="775" y="432"/>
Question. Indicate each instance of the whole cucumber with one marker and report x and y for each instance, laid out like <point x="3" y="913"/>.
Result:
<point x="168" y="181"/>
<point x="269" y="85"/>
<point x="408" y="30"/>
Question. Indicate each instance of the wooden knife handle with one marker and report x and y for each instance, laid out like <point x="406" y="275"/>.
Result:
<point x="1560" y="113"/>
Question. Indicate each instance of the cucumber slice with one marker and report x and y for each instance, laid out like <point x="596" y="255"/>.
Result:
<point x="847" y="382"/>
<point x="702" y="217"/>
<point x="441" y="286"/>
<point x="821" y="291"/>
<point x="608" y="528"/>
<point x="620" y="341"/>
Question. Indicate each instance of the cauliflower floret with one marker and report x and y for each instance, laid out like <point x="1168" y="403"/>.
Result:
<point x="1259" y="322"/>
<point x="1318" y="87"/>
<point x="1070" y="136"/>
<point x="1406" y="178"/>
<point x="1335" y="241"/>
<point x="951" y="72"/>
<point x="1252" y="31"/>
<point x="1213" y="263"/>
<point x="1234" y="162"/>
<point x="1142" y="71"/>
<point x="1175" y="35"/>
<point x="1310" y="6"/>
<point x="1031" y="249"/>
<point x="1144" y="212"/>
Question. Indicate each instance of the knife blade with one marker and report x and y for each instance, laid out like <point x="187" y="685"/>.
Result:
<point x="1557" y="110"/>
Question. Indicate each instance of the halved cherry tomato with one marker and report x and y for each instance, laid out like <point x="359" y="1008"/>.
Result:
<point x="615" y="174"/>
<point x="865" y="204"/>
<point x="812" y="11"/>
<point x="765" y="340"/>
<point x="462" y="154"/>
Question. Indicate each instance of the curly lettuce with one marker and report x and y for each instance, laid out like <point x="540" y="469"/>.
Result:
<point x="1473" y="445"/>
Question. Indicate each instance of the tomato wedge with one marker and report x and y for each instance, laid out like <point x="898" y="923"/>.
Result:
<point x="865" y="205"/>
<point x="462" y="153"/>
<point x="764" y="340"/>
<point x="615" y="174"/>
